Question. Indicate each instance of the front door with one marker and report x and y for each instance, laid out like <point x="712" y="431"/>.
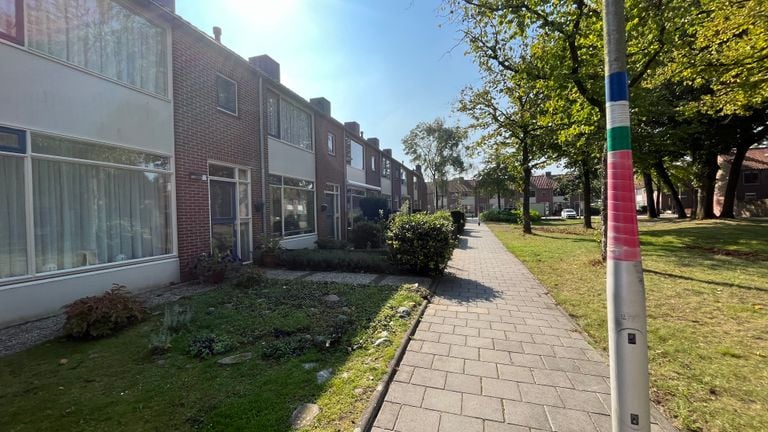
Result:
<point x="224" y="217"/>
<point x="331" y="215"/>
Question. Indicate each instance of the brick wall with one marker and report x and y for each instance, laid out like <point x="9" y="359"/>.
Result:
<point x="329" y="169"/>
<point x="204" y="133"/>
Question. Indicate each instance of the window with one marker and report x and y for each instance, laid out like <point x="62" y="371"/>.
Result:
<point x="287" y="122"/>
<point x="751" y="177"/>
<point x="355" y="155"/>
<point x="750" y="196"/>
<point x="12" y="140"/>
<point x="230" y="206"/>
<point x="86" y="213"/>
<point x="331" y="144"/>
<point x="354" y="195"/>
<point x="386" y="168"/>
<point x="532" y="193"/>
<point x="13" y="227"/>
<point x="11" y="20"/>
<point x="293" y="206"/>
<point x="373" y="163"/>
<point x="101" y="36"/>
<point x="226" y="94"/>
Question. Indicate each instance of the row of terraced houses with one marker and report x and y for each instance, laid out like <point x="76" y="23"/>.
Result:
<point x="131" y="142"/>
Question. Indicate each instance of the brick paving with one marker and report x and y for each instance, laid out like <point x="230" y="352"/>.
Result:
<point x="494" y="354"/>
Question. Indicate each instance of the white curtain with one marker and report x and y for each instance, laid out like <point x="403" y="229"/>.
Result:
<point x="13" y="228"/>
<point x="295" y="125"/>
<point x="102" y="36"/>
<point x="86" y="215"/>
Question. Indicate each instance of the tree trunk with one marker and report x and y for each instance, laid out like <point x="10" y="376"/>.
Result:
<point x="734" y="175"/>
<point x="658" y="198"/>
<point x="498" y="198"/>
<point x="526" y="191"/>
<point x="706" y="195"/>
<point x="586" y="188"/>
<point x="664" y="175"/>
<point x="651" y="206"/>
<point x="603" y="207"/>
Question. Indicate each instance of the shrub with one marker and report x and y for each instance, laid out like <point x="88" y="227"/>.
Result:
<point x="99" y="316"/>
<point x="459" y="221"/>
<point x="176" y="318"/>
<point x="160" y="343"/>
<point x="214" y="267"/>
<point x="375" y="208"/>
<point x="287" y="347"/>
<point x="422" y="242"/>
<point x="495" y="215"/>
<point x="209" y="344"/>
<point x="535" y="216"/>
<point x="250" y="277"/>
<point x="337" y="260"/>
<point x="366" y="235"/>
<point x="326" y="243"/>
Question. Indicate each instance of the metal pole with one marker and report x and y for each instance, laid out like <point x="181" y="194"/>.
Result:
<point x="627" y="341"/>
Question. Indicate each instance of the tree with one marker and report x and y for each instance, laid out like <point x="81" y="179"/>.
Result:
<point x="438" y="149"/>
<point x="498" y="176"/>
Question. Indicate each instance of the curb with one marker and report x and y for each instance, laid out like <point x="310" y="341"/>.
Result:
<point x="369" y="415"/>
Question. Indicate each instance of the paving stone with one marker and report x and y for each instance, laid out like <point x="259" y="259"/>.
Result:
<point x="589" y="382"/>
<point x="485" y="407"/>
<point x="501" y="389"/>
<point x="404" y="373"/>
<point x="526" y="414"/>
<point x="539" y="394"/>
<point x="455" y="322"/>
<point x="576" y="343"/>
<point x="506" y="345"/>
<point x="441" y="328"/>
<point x="387" y="415"/>
<point x="479" y="342"/>
<point x="480" y="368"/>
<point x="515" y="373"/>
<point x="565" y="365"/>
<point x="453" y="339"/>
<point x="547" y="340"/>
<point x="413" y="419"/>
<point x="602" y="422"/>
<point x="478" y="324"/>
<point x="442" y="400"/>
<point x="490" y="333"/>
<point x="551" y="378"/>
<point x="448" y="364"/>
<point x="503" y="326"/>
<point x="493" y="356"/>
<point x="569" y="352"/>
<point x="466" y="331"/>
<point x="406" y="394"/>
<point x="555" y="332"/>
<point x="463" y="383"/>
<point x="464" y="352"/>
<point x="413" y="358"/>
<point x="492" y="426"/>
<point x="593" y="368"/>
<point x="428" y="377"/>
<point x="538" y="349"/>
<point x="435" y="348"/>
<point x="426" y="336"/>
<point x="582" y="400"/>
<point x="567" y="420"/>
<point x="528" y="360"/>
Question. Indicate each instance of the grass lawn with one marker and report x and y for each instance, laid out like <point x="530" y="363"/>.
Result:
<point x="707" y="298"/>
<point x="115" y="384"/>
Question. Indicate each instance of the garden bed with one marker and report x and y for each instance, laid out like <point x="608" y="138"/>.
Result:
<point x="294" y="330"/>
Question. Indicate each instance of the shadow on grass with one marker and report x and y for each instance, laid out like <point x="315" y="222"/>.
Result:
<point x="692" y="279"/>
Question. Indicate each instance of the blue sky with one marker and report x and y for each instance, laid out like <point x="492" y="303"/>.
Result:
<point x="386" y="64"/>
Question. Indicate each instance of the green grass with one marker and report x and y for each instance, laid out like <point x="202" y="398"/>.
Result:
<point x="707" y="301"/>
<point x="115" y="384"/>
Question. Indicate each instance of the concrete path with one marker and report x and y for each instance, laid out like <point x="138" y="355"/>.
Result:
<point x="494" y="354"/>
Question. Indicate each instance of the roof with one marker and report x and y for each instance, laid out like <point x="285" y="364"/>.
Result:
<point x="756" y="159"/>
<point x="458" y="185"/>
<point x="542" y="182"/>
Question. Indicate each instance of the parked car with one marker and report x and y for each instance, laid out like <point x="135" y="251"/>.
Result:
<point x="568" y="214"/>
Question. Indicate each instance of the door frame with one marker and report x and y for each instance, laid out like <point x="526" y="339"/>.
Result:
<point x="238" y="220"/>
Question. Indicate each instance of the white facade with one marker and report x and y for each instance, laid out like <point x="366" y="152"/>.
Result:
<point x="73" y="126"/>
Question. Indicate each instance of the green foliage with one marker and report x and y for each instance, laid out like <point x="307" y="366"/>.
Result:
<point x="459" y="220"/>
<point x="327" y="243"/>
<point x="250" y="277"/>
<point x="287" y="347"/>
<point x="375" y="208"/>
<point x="206" y="345"/>
<point x="338" y="260"/>
<point x="99" y="316"/>
<point x="214" y="267"/>
<point x="508" y="216"/>
<point x="422" y="242"/>
<point x="367" y="235"/>
<point x="160" y="343"/>
<point x="176" y="318"/>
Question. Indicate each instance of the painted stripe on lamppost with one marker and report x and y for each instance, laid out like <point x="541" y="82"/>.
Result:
<point x="627" y="329"/>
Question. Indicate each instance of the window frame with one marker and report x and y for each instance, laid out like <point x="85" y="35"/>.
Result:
<point x="21" y="135"/>
<point x="331" y="144"/>
<point x="20" y="29"/>
<point x="750" y="196"/>
<point x="351" y="159"/>
<point x="272" y="183"/>
<point x="281" y="101"/>
<point x="744" y="178"/>
<point x="239" y="220"/>
<point x="218" y="101"/>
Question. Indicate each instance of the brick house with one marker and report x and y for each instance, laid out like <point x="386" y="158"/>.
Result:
<point x="330" y="172"/>
<point x="752" y="189"/>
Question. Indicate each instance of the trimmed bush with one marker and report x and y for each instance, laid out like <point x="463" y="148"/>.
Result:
<point x="326" y="243"/>
<point x="459" y="221"/>
<point x="422" y="243"/>
<point x="495" y="215"/>
<point x="367" y="235"/>
<point x="250" y="277"/>
<point x="338" y="260"/>
<point x="100" y="316"/>
<point x="375" y="208"/>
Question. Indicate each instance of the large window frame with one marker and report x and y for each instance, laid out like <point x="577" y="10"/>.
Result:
<point x="386" y="168"/>
<point x="18" y="37"/>
<point x="331" y="144"/>
<point x="31" y="157"/>
<point x="276" y="112"/>
<point x="753" y="174"/>
<point x="355" y="148"/>
<point x="241" y="177"/>
<point x="279" y="185"/>
<point x="221" y="79"/>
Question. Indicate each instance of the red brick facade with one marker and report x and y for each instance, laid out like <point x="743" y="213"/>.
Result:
<point x="330" y="170"/>
<point x="204" y="133"/>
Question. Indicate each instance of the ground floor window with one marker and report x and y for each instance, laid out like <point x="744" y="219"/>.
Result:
<point x="292" y="206"/>
<point x="355" y="213"/>
<point x="68" y="203"/>
<point x="230" y="206"/>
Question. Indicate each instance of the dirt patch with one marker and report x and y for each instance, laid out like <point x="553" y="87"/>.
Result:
<point x="571" y="230"/>
<point x="749" y="255"/>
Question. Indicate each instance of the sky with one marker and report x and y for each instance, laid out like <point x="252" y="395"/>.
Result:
<point x="387" y="64"/>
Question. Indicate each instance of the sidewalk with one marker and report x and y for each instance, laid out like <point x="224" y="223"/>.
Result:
<point x="494" y="354"/>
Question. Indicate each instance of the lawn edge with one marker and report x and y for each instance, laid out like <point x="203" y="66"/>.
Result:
<point x="369" y="415"/>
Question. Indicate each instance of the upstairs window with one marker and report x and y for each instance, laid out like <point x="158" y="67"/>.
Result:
<point x="287" y="122"/>
<point x="373" y="163"/>
<point x="101" y="36"/>
<point x="226" y="94"/>
<point x="386" y="168"/>
<point x="751" y="178"/>
<point x="11" y="20"/>
<point x="355" y="158"/>
<point x="331" y="144"/>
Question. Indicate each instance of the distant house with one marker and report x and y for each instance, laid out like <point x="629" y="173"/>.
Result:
<point x="752" y="189"/>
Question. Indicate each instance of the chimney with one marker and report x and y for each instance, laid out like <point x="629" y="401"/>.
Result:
<point x="321" y="104"/>
<point x="418" y="168"/>
<point x="217" y="33"/>
<point x="168" y="4"/>
<point x="353" y="126"/>
<point x="373" y="141"/>
<point x="267" y="65"/>
<point x="387" y="152"/>
<point x="548" y="174"/>
<point x="361" y="134"/>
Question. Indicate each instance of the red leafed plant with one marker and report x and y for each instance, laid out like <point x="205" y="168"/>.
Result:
<point x="99" y="316"/>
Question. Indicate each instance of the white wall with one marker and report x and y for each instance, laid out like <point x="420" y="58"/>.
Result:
<point x="45" y="95"/>
<point x="36" y="299"/>
<point x="386" y="186"/>
<point x="288" y="160"/>
<point x="355" y="175"/>
<point x="300" y="242"/>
